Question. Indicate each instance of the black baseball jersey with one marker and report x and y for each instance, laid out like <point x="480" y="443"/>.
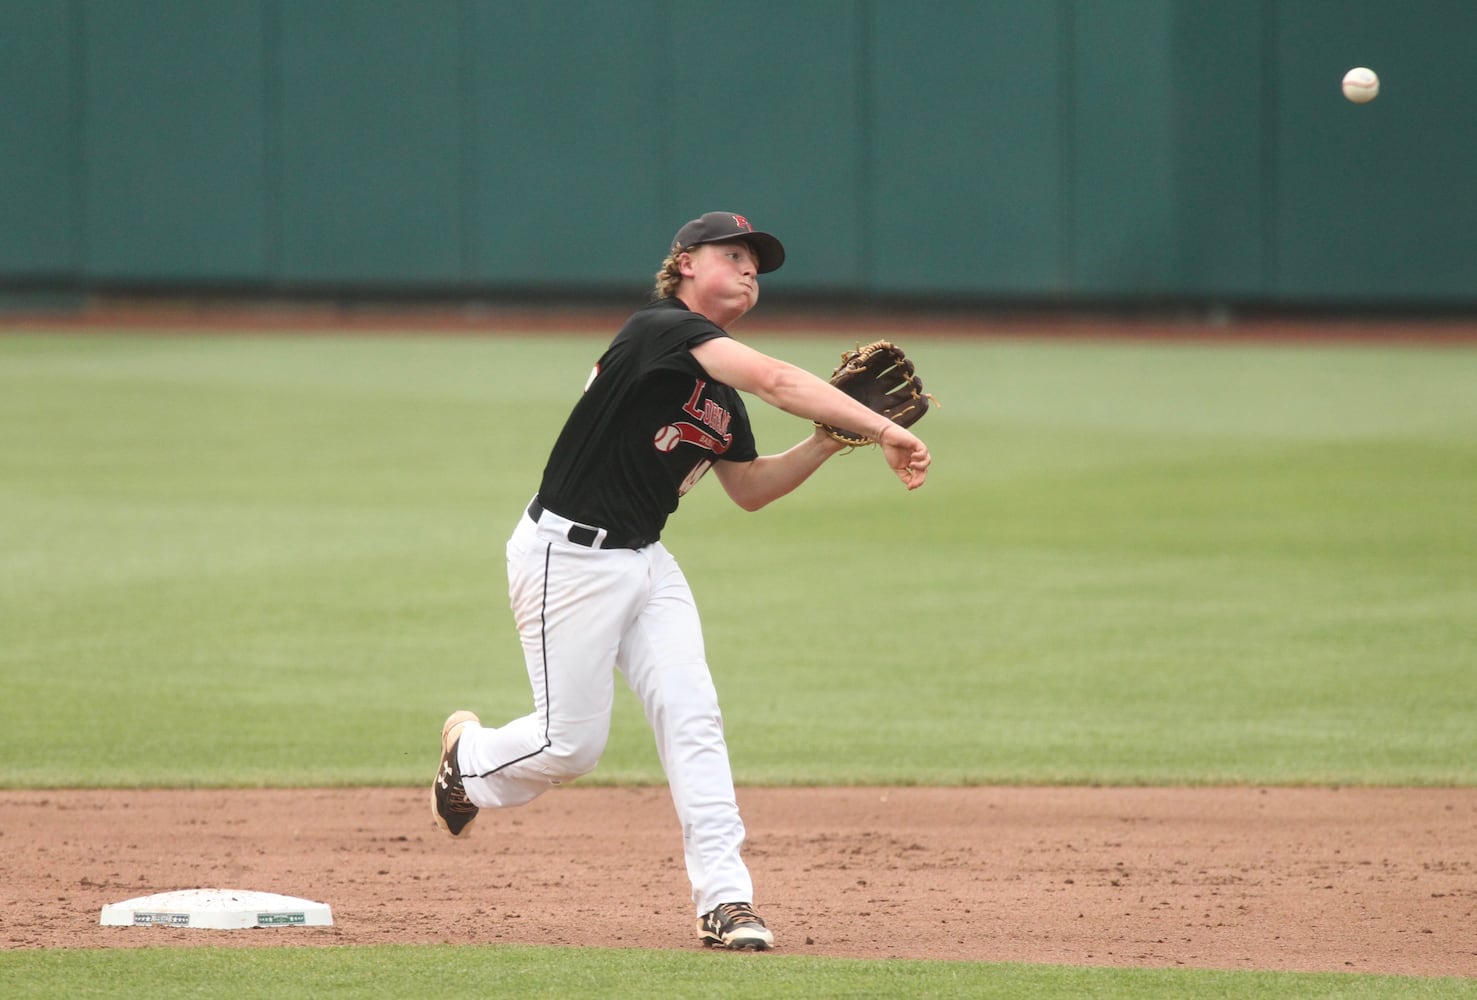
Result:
<point x="650" y="423"/>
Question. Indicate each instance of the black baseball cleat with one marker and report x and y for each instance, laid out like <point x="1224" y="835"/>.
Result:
<point x="454" y="812"/>
<point x="735" y="926"/>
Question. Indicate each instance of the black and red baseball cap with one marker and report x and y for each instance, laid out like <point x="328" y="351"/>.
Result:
<point x="721" y="227"/>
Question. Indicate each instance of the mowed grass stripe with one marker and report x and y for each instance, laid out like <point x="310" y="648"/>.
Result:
<point x="1132" y="563"/>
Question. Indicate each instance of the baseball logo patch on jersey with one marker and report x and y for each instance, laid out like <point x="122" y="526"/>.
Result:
<point x="709" y="433"/>
<point x="667" y="438"/>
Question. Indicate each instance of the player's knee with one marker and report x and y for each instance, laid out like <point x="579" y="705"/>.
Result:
<point x="693" y="710"/>
<point x="565" y="760"/>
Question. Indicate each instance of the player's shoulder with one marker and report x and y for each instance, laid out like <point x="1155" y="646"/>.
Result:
<point x="671" y="322"/>
<point x="668" y="311"/>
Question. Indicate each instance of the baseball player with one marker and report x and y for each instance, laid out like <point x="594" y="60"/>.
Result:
<point x="592" y="588"/>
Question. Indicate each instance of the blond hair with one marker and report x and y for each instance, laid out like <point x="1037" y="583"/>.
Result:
<point x="669" y="275"/>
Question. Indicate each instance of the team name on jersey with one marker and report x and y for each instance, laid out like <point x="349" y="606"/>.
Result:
<point x="711" y="414"/>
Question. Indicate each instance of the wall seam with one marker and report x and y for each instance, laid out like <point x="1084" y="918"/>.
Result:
<point x="1067" y="125"/>
<point x="272" y="142"/>
<point x="469" y="189"/>
<point x="1270" y="128"/>
<point x="78" y="242"/>
<point x="866" y="141"/>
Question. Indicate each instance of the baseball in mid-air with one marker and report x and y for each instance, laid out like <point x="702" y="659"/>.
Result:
<point x="1361" y="85"/>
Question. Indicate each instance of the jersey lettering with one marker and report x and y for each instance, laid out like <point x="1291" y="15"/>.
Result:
<point x="697" y="473"/>
<point x="669" y="437"/>
<point x="711" y="415"/>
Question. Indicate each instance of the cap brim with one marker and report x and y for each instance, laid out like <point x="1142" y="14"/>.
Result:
<point x="770" y="251"/>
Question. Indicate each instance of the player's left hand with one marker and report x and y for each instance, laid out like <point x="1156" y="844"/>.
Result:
<point x="906" y="455"/>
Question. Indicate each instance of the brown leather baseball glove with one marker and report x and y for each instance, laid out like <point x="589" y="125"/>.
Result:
<point x="881" y="377"/>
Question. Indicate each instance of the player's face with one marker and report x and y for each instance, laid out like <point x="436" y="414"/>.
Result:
<point x="725" y="279"/>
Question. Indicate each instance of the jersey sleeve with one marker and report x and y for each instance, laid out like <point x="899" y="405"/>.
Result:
<point x="675" y="354"/>
<point x="743" y="448"/>
<point x="682" y="337"/>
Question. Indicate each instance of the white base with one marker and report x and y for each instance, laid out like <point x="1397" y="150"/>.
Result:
<point x="217" y="909"/>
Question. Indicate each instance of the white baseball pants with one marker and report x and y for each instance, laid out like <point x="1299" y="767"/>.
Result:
<point x="581" y="614"/>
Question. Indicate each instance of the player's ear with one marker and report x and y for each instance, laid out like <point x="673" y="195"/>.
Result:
<point x="684" y="264"/>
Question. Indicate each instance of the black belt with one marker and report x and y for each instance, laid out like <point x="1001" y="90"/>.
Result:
<point x="580" y="534"/>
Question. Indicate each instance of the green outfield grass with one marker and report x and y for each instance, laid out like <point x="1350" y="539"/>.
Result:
<point x="278" y="560"/>
<point x="603" y="974"/>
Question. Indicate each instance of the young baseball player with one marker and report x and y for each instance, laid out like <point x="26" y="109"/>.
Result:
<point x="592" y="588"/>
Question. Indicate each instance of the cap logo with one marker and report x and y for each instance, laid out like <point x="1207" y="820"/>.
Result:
<point x="742" y="223"/>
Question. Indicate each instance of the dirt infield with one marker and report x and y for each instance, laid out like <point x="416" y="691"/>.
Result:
<point x="1351" y="879"/>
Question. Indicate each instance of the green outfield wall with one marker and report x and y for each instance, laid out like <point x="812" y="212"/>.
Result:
<point x="1057" y="151"/>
